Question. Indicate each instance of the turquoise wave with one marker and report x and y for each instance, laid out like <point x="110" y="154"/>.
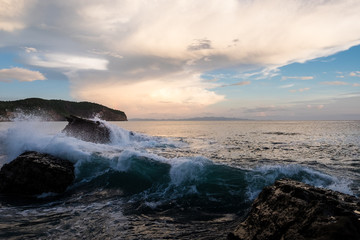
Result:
<point x="188" y="182"/>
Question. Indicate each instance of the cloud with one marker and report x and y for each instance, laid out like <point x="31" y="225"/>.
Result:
<point x="355" y="74"/>
<point x="20" y="74"/>
<point x="108" y="53"/>
<point x="335" y="83"/>
<point x="271" y="108"/>
<point x="30" y="49"/>
<point x="298" y="78"/>
<point x="299" y="90"/>
<point x="265" y="111"/>
<point x="64" y="61"/>
<point x="184" y="94"/>
<point x="321" y="106"/>
<point x="287" y="86"/>
<point x="200" y="44"/>
<point x="303" y="89"/>
<point x="328" y="60"/>
<point x="299" y="33"/>
<point x="243" y="83"/>
<point x="12" y="13"/>
<point x="356" y="85"/>
<point x="141" y="42"/>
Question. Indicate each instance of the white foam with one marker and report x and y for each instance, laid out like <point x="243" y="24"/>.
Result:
<point x="123" y="137"/>
<point x="47" y="138"/>
<point x="118" y="136"/>
<point x="342" y="185"/>
<point x="187" y="169"/>
<point x="35" y="116"/>
<point x="122" y="163"/>
<point x="266" y="175"/>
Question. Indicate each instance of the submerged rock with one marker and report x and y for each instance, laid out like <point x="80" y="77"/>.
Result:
<point x="294" y="210"/>
<point x="34" y="173"/>
<point x="87" y="130"/>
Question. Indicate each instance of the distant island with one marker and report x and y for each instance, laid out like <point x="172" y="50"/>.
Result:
<point x="193" y="119"/>
<point x="56" y="110"/>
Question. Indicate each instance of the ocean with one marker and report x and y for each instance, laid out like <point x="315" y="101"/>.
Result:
<point x="173" y="179"/>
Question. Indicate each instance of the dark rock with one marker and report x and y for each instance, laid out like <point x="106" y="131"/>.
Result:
<point x="56" y="110"/>
<point x="87" y="130"/>
<point x="293" y="210"/>
<point x="34" y="173"/>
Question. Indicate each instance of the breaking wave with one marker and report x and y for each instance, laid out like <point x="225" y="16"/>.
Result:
<point x="149" y="181"/>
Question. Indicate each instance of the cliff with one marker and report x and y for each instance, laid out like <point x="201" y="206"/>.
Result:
<point x="57" y="110"/>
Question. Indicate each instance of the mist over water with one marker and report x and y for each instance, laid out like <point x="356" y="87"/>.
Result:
<point x="173" y="179"/>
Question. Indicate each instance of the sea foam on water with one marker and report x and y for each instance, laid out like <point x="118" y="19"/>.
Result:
<point x="130" y="174"/>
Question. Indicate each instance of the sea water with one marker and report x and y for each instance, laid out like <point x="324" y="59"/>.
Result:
<point x="175" y="179"/>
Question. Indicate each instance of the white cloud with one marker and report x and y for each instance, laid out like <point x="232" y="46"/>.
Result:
<point x="108" y="53"/>
<point x="184" y="93"/>
<point x="355" y="74"/>
<point x="299" y="90"/>
<point x="30" y="49"/>
<point x="335" y="83"/>
<point x="55" y="60"/>
<point x="298" y="78"/>
<point x="11" y="14"/>
<point x="20" y="74"/>
<point x="295" y="32"/>
<point x="356" y="85"/>
<point x="287" y="86"/>
<point x="138" y="43"/>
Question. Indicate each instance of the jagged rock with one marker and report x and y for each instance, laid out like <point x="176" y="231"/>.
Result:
<point x="87" y="130"/>
<point x="293" y="210"/>
<point x="34" y="173"/>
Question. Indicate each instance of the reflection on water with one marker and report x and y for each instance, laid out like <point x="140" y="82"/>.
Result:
<point x="173" y="180"/>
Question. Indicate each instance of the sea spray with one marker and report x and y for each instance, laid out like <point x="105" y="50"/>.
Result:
<point x="125" y="164"/>
<point x="263" y="176"/>
<point x="149" y="187"/>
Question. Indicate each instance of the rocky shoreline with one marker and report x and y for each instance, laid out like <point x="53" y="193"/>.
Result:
<point x="287" y="209"/>
<point x="34" y="173"/>
<point x="294" y="210"/>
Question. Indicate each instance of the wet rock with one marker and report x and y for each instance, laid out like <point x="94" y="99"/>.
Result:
<point x="87" y="130"/>
<point x="34" y="173"/>
<point x="293" y="210"/>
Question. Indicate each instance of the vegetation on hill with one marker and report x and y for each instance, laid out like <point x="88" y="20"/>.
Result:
<point x="56" y="110"/>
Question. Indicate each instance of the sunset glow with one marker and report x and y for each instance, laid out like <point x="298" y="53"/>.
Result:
<point x="258" y="59"/>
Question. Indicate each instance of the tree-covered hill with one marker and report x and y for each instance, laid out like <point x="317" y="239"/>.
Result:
<point x="56" y="110"/>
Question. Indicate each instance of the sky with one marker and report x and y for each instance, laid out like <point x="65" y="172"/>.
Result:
<point x="254" y="59"/>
